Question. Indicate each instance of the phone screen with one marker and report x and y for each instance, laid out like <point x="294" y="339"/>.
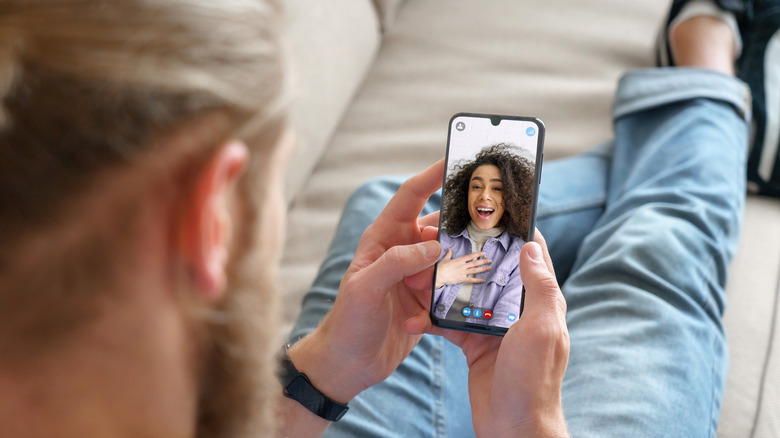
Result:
<point x="488" y="213"/>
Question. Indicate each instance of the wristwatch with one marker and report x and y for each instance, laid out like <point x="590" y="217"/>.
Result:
<point x="297" y="386"/>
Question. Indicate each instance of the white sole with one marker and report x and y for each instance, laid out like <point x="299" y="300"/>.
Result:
<point x="772" y="94"/>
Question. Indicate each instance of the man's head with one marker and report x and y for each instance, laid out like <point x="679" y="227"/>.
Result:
<point x="493" y="189"/>
<point x="139" y="205"/>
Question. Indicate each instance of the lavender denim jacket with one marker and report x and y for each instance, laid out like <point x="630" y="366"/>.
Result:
<point x="503" y="289"/>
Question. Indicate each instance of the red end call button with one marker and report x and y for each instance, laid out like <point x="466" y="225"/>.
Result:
<point x="488" y="314"/>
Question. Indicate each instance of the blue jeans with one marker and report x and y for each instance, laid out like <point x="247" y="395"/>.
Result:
<point x="641" y="232"/>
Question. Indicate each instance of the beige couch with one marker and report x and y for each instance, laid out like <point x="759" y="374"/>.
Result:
<point x="374" y="84"/>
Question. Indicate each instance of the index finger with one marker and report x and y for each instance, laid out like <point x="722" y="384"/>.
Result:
<point x="410" y="199"/>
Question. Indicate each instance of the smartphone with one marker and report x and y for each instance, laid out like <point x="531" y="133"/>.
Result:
<point x="488" y="212"/>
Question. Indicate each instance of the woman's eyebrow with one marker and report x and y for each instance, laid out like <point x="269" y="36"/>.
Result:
<point x="479" y="178"/>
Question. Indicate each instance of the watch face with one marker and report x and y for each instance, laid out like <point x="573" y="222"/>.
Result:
<point x="300" y="388"/>
<point x="297" y="386"/>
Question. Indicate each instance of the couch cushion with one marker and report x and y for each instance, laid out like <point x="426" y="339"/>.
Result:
<point x="330" y="47"/>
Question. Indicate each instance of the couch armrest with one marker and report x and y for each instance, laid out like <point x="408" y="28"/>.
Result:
<point x="330" y="47"/>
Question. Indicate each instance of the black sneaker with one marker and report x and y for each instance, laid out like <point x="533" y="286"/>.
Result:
<point x="742" y="10"/>
<point x="759" y="66"/>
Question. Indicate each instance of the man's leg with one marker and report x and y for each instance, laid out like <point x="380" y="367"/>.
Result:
<point x="572" y="198"/>
<point x="646" y="293"/>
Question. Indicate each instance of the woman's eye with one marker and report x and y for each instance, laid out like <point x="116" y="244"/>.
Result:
<point x="498" y="189"/>
<point x="476" y="187"/>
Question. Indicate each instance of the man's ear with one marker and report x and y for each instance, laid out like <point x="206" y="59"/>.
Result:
<point x="205" y="219"/>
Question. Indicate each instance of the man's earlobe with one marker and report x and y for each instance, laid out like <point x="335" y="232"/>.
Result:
<point x="205" y="220"/>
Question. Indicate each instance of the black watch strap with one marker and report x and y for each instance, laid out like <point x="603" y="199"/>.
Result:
<point x="297" y="386"/>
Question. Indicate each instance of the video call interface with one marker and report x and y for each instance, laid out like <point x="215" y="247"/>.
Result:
<point x="485" y="216"/>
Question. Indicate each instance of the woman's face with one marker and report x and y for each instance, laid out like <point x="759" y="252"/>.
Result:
<point x="486" y="201"/>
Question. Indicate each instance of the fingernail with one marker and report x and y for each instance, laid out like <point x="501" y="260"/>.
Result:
<point x="535" y="251"/>
<point x="429" y="249"/>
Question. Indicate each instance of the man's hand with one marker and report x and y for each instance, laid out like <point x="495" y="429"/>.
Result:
<point x="515" y="381"/>
<point x="461" y="269"/>
<point x="362" y="340"/>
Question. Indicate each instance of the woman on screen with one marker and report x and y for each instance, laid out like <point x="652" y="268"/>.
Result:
<point x="485" y="222"/>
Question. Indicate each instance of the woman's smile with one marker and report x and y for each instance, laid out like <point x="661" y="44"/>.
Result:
<point x="484" y="212"/>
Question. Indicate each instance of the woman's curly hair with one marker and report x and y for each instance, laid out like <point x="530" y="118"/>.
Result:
<point x="517" y="173"/>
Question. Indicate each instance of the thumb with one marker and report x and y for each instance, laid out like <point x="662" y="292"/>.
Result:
<point x="543" y="295"/>
<point x="399" y="262"/>
<point x="449" y="254"/>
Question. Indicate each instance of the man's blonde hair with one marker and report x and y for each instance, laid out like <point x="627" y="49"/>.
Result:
<point x="90" y="88"/>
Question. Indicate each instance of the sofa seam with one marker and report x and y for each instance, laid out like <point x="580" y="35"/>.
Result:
<point x="767" y="358"/>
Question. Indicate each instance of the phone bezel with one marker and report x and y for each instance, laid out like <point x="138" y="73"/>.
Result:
<point x="480" y="328"/>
